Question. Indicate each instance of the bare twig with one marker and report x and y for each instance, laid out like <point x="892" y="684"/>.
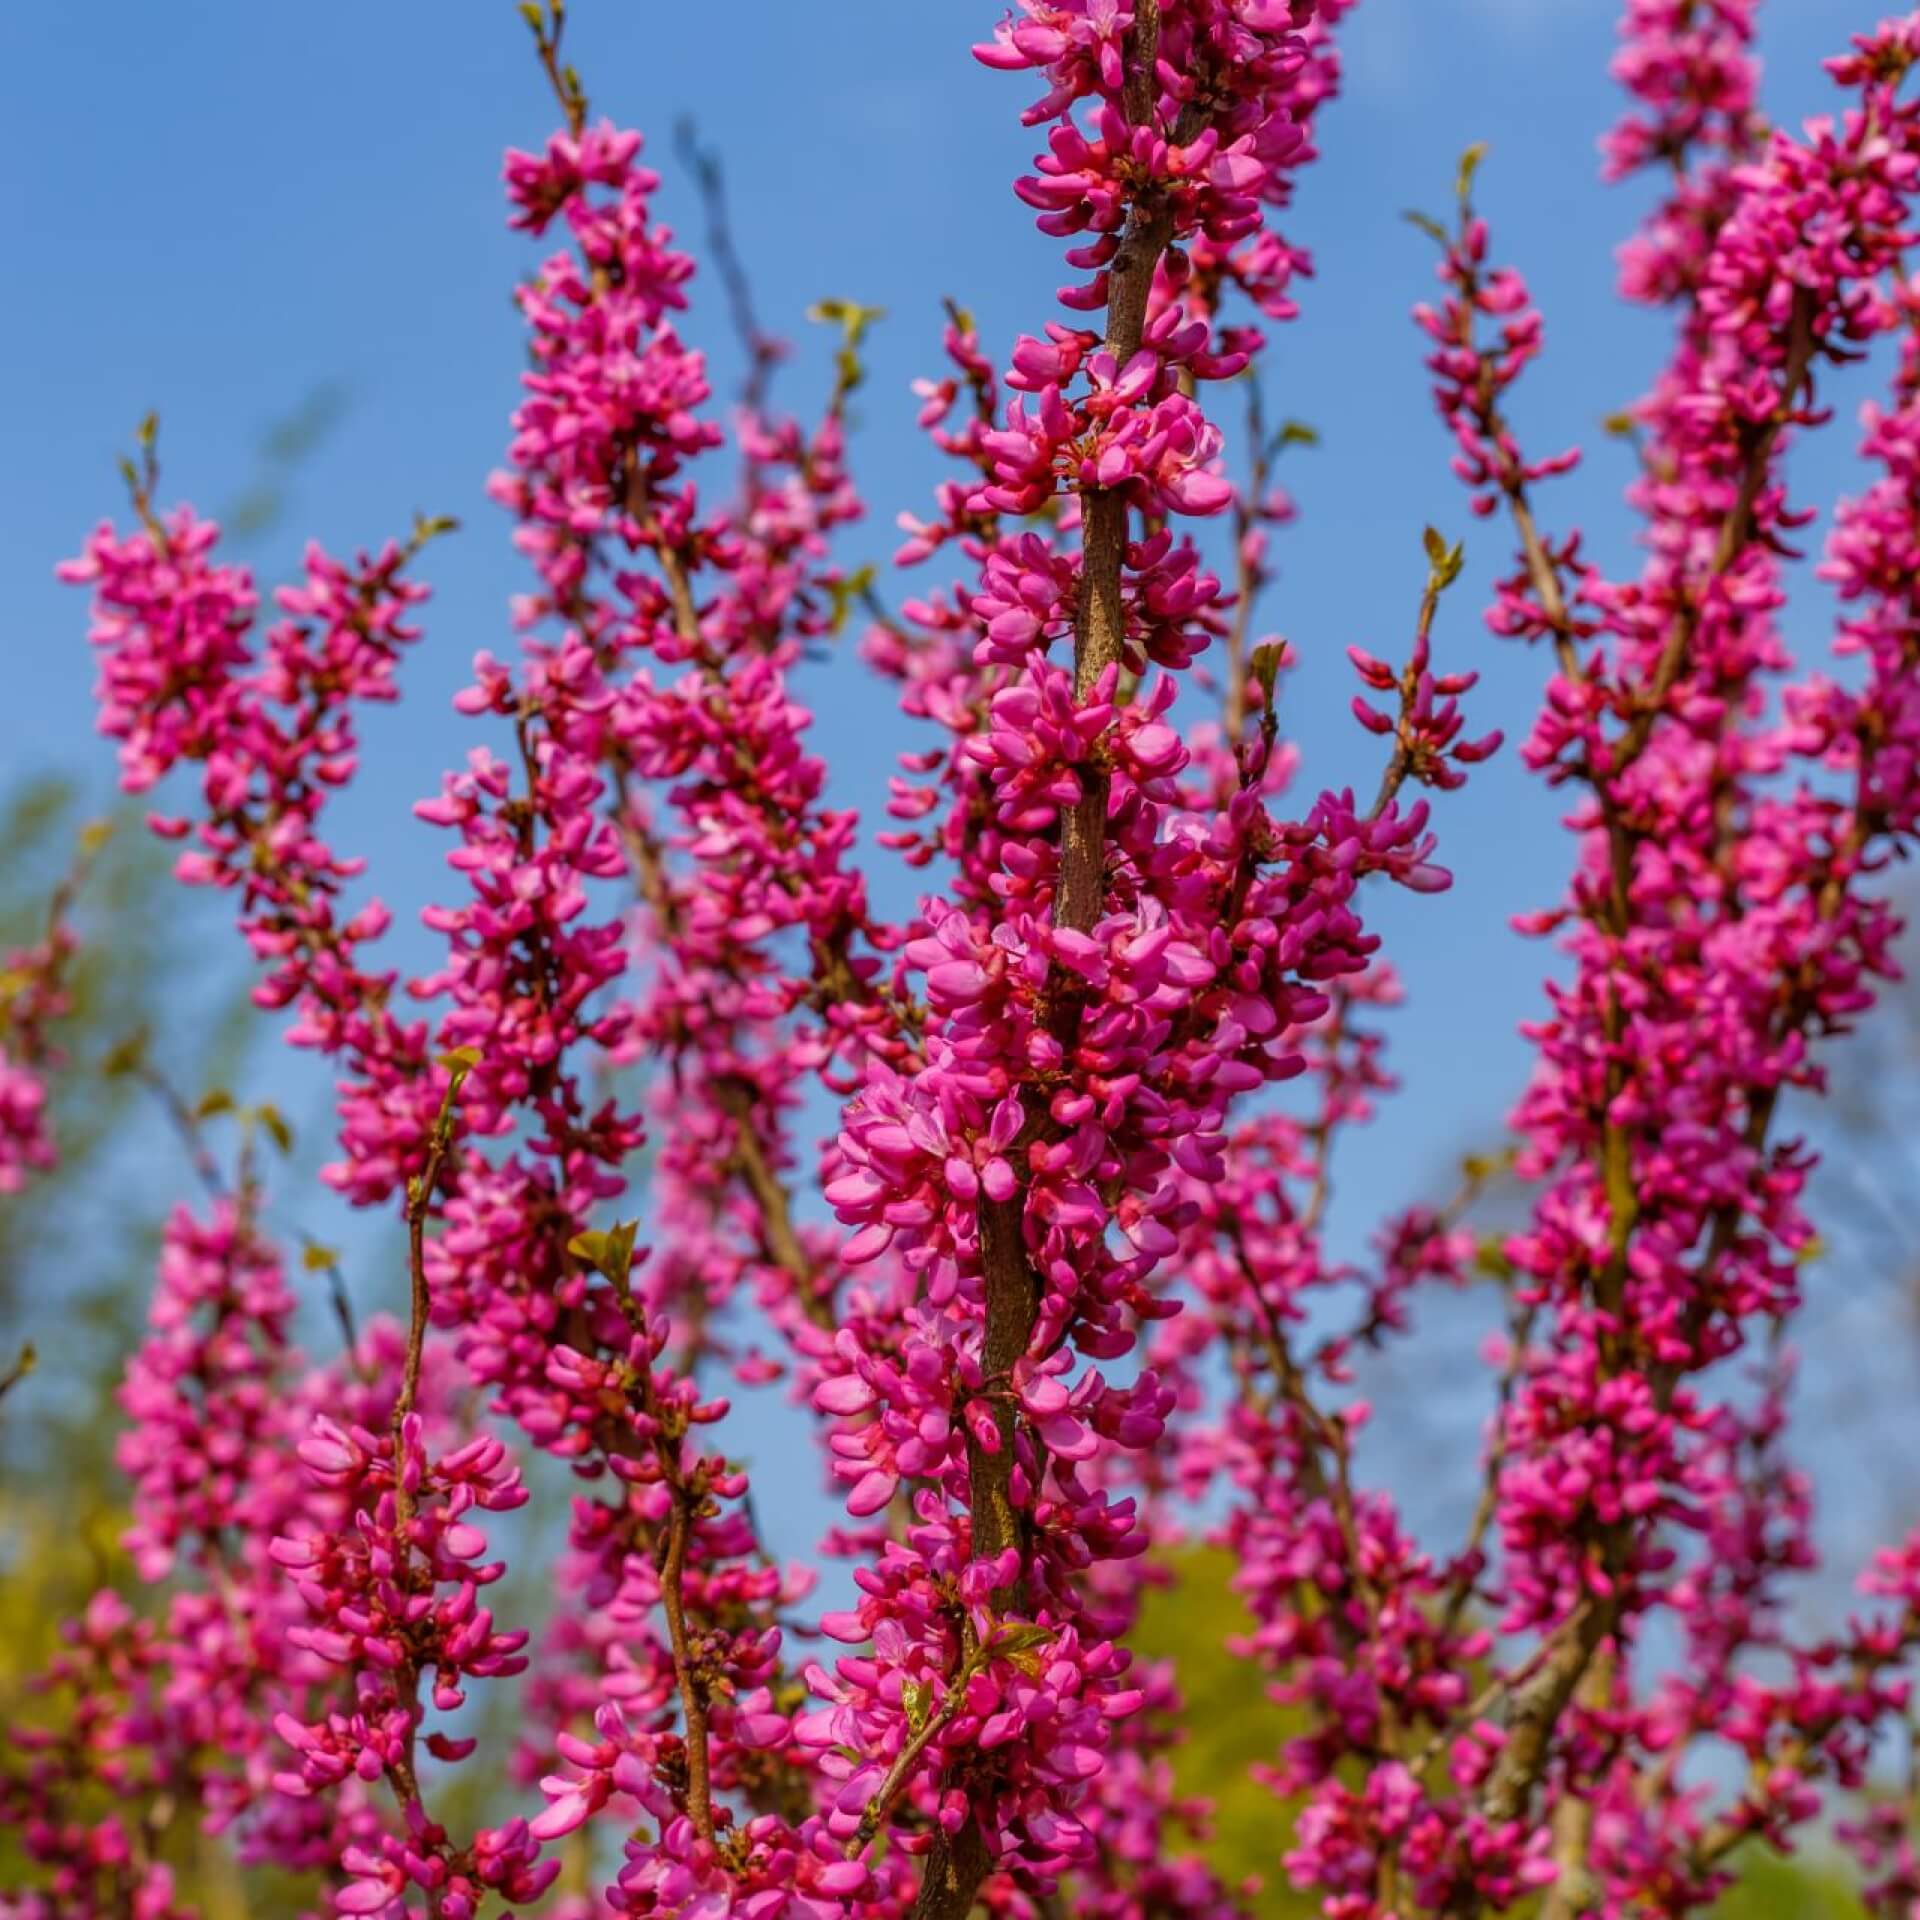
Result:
<point x="762" y="350"/>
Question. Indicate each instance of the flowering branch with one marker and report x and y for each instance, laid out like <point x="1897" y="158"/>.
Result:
<point x="1091" y="1093"/>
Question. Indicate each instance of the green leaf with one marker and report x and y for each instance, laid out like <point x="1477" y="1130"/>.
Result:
<point x="215" y="1100"/>
<point x="609" y="1253"/>
<point x="129" y="1056"/>
<point x="460" y="1062"/>
<point x="590" y="1247"/>
<point x="1296" y="433"/>
<point x="1266" y="664"/>
<point x="853" y="320"/>
<point x="846" y="593"/>
<point x="1490" y="1256"/>
<point x="1469" y="166"/>
<point x="317" y="1259"/>
<point x="1020" y="1641"/>
<point x="1445" y="561"/>
<point x="913" y="1702"/>
<point x="1429" y="226"/>
<point x="278" y="1131"/>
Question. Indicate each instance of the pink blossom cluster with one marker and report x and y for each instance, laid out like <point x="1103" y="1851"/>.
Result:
<point x="168" y="1713"/>
<point x="271" y="739"/>
<point x="1058" y="1276"/>
<point x="1692" y="74"/>
<point x="1721" y="920"/>
<point x="392" y="1598"/>
<point x="1118" y="964"/>
<point x="34" y="997"/>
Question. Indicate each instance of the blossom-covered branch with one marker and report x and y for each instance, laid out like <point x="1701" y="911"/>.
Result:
<point x="1063" y="1279"/>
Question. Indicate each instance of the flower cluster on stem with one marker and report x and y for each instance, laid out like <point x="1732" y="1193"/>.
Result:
<point x="1071" y="1276"/>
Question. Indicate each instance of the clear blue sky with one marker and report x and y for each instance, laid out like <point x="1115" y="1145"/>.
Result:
<point x="212" y="208"/>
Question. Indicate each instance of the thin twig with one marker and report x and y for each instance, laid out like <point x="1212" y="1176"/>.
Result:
<point x="762" y="350"/>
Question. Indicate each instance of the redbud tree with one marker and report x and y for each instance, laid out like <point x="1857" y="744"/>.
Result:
<point x="1054" y="1282"/>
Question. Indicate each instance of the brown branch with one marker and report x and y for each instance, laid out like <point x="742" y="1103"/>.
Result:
<point x="1248" y="578"/>
<point x="957" y="1864"/>
<point x="1406" y="757"/>
<point x="763" y="352"/>
<point x="26" y="1362"/>
<point x="685" y="1501"/>
<point x="316" y="1257"/>
<point x="1735" y="530"/>
<point x="881" y="1806"/>
<point x="548" y="28"/>
<point x="184" y="1121"/>
<point x="1326" y="1433"/>
<point x="1798" y="1757"/>
<point x="739" y="1098"/>
<point x="1538" y="1708"/>
<point x="1461" y="1592"/>
<point x="401" y="1773"/>
<point x="1572" y="1892"/>
<point x="1496" y="1690"/>
<point x="693" y="1701"/>
<point x="420" y="1190"/>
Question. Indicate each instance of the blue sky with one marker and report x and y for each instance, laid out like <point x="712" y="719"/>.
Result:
<point x="215" y="208"/>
